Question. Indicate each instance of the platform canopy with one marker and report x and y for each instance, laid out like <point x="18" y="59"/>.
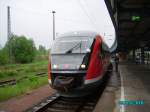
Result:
<point x="131" y="19"/>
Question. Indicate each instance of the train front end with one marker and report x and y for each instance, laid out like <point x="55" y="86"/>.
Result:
<point x="68" y="64"/>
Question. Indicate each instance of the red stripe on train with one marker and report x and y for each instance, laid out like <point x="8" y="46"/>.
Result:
<point x="95" y="66"/>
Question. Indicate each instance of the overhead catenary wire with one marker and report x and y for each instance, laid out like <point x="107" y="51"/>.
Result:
<point x="86" y="13"/>
<point x="92" y="15"/>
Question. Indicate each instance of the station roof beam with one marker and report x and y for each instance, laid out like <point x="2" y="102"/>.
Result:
<point x="132" y="21"/>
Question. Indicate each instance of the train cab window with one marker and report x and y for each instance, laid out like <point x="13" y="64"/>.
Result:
<point x="71" y="45"/>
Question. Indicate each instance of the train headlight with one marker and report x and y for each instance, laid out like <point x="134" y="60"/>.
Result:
<point x="55" y="66"/>
<point x="83" y="66"/>
<point x="88" y="50"/>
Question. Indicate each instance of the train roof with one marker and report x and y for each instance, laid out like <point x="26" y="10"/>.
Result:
<point x="79" y="34"/>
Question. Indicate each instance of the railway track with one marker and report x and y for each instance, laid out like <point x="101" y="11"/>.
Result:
<point x="57" y="103"/>
<point x="14" y="81"/>
<point x="7" y="82"/>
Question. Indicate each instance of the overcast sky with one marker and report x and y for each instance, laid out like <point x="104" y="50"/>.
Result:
<point x="33" y="18"/>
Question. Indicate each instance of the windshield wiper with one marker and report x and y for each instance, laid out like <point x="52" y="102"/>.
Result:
<point x="78" y="45"/>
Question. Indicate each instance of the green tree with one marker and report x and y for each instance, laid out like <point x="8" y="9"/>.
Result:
<point x="3" y="56"/>
<point x="41" y="53"/>
<point x="23" y="49"/>
<point x="42" y="50"/>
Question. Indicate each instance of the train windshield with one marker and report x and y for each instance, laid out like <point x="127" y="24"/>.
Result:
<point x="66" y="45"/>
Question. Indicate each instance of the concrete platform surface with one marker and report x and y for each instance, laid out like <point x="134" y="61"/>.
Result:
<point x="135" y="86"/>
<point x="107" y="102"/>
<point x="132" y="84"/>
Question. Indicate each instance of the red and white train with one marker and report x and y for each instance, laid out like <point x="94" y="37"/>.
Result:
<point x="77" y="63"/>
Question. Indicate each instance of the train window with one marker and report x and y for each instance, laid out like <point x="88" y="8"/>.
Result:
<point x="72" y="45"/>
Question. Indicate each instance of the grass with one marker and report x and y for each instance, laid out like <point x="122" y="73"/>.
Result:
<point x="21" y="70"/>
<point x="21" y="87"/>
<point x="17" y="71"/>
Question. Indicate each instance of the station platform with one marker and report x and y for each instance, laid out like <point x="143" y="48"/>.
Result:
<point x="132" y="84"/>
